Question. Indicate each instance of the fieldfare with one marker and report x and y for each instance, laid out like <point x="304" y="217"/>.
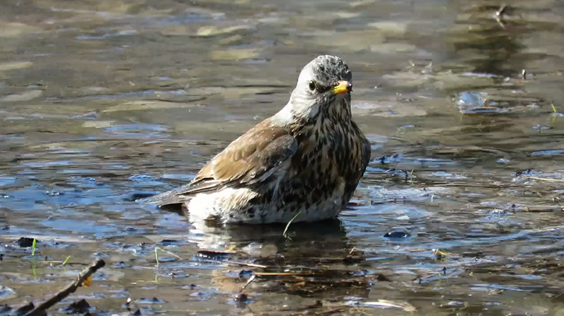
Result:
<point x="307" y="159"/>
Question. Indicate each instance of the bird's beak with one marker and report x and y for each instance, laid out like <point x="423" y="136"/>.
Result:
<point x="342" y="86"/>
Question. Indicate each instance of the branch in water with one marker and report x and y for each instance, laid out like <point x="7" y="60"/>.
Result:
<point x="71" y="288"/>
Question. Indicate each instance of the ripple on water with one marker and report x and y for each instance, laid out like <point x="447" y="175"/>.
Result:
<point x="176" y="176"/>
<point x="80" y="226"/>
<point x="145" y="180"/>
<point x="6" y="181"/>
<point x="138" y="130"/>
<point x="81" y="144"/>
<point x="6" y="292"/>
<point x="552" y="152"/>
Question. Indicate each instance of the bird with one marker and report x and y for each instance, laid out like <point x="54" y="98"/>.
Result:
<point x="302" y="164"/>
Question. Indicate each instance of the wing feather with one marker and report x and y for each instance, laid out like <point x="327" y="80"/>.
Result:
<point x="248" y="160"/>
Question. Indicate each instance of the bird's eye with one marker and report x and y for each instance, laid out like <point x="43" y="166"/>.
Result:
<point x="312" y="85"/>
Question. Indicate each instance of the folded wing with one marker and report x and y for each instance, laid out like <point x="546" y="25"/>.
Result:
<point x="248" y="161"/>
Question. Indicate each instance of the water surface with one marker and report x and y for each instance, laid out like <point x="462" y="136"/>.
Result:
<point x="102" y="102"/>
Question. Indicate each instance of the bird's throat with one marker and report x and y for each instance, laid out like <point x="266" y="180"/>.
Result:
<point x="338" y="110"/>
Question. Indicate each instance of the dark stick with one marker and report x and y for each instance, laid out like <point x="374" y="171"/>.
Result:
<point x="71" y="288"/>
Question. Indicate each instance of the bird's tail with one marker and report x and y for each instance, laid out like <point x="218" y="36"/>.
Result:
<point x="169" y="198"/>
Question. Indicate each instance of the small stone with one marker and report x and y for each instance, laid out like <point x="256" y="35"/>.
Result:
<point x="399" y="233"/>
<point x="241" y="298"/>
<point x="25" y="242"/>
<point x="81" y="306"/>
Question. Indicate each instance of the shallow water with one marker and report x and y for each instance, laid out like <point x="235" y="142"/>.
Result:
<point x="102" y="102"/>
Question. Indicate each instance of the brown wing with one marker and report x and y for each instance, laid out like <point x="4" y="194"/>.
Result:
<point x="248" y="160"/>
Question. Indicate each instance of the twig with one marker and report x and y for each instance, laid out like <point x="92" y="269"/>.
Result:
<point x="501" y="11"/>
<point x="264" y="274"/>
<point x="66" y="260"/>
<point x="246" y="264"/>
<point x="157" y="256"/>
<point x="168" y="252"/>
<point x="251" y="279"/>
<point x="71" y="288"/>
<point x="545" y="179"/>
<point x="499" y="16"/>
<point x="165" y="251"/>
<point x="289" y="223"/>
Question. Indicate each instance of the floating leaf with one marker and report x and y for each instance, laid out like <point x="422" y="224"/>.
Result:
<point x="87" y="282"/>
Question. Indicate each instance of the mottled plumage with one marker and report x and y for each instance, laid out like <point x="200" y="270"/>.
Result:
<point x="308" y="158"/>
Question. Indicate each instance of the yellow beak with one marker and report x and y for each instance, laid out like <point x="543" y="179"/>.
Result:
<point x="342" y="87"/>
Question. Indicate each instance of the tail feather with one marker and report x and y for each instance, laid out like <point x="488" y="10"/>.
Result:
<point x="169" y="198"/>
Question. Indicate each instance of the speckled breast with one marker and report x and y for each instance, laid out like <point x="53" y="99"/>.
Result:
<point x="324" y="172"/>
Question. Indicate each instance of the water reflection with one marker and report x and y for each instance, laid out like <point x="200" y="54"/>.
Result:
<point x="104" y="102"/>
<point x="497" y="41"/>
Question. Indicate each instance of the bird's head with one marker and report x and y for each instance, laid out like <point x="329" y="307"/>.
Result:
<point x="323" y="89"/>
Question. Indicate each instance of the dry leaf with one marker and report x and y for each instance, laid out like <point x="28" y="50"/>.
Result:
<point x="87" y="282"/>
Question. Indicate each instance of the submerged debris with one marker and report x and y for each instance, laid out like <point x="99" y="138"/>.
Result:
<point x="25" y="242"/>
<point x="26" y="309"/>
<point x="399" y="232"/>
<point x="40" y="310"/>
<point x="150" y="300"/>
<point x="440" y="254"/>
<point x="241" y="297"/>
<point x="78" y="307"/>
